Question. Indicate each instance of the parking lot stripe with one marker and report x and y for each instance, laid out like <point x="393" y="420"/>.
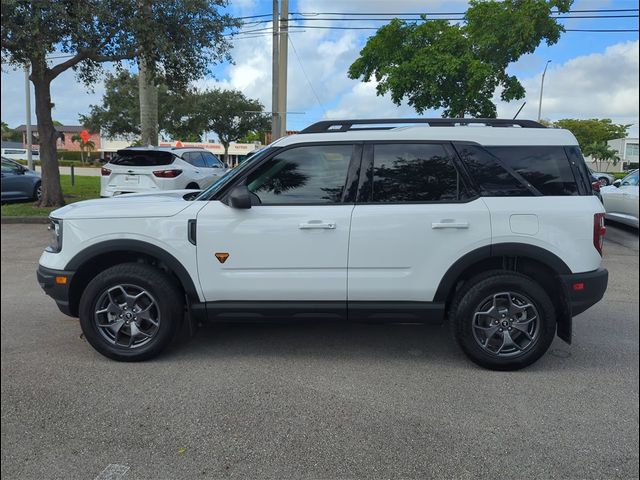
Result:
<point x="113" y="472"/>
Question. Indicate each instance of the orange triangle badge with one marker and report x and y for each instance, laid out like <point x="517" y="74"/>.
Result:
<point x="222" y="256"/>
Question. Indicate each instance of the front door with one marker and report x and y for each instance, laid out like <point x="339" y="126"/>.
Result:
<point x="292" y="244"/>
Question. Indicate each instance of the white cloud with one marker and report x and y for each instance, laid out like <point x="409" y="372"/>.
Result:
<point x="596" y="85"/>
<point x="363" y="102"/>
<point x="69" y="96"/>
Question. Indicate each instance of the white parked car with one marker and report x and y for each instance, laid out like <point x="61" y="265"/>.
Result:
<point x="604" y="178"/>
<point x="145" y="169"/>
<point x="493" y="228"/>
<point x="20" y="154"/>
<point x="621" y="200"/>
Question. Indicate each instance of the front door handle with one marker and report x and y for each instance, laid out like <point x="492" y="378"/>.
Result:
<point x="449" y="224"/>
<point x="317" y="224"/>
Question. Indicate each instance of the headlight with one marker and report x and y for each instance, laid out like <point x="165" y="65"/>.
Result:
<point x="55" y="229"/>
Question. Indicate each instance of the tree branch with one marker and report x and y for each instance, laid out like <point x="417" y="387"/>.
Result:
<point x="67" y="64"/>
<point x="85" y="55"/>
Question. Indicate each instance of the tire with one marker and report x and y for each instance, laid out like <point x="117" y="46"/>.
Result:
<point x="604" y="181"/>
<point x="193" y="186"/>
<point x="503" y="320"/>
<point x="147" y="300"/>
<point x="37" y="192"/>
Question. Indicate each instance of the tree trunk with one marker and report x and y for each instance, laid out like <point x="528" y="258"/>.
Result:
<point x="51" y="190"/>
<point x="148" y="105"/>
<point x="226" y="153"/>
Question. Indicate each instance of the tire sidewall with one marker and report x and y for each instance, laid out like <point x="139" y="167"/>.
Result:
<point x="481" y="290"/>
<point x="168" y="302"/>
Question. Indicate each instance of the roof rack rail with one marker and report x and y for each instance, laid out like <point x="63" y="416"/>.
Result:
<point x="327" y="126"/>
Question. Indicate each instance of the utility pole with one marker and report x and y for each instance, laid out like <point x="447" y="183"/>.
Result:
<point x="27" y="90"/>
<point x="282" y="66"/>
<point x="275" y="117"/>
<point x="541" y="89"/>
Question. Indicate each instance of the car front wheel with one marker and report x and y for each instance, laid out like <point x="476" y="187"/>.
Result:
<point x="503" y="320"/>
<point x="131" y="312"/>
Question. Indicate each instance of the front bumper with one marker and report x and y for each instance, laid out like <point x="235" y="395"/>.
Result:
<point x="583" y="290"/>
<point x="50" y="282"/>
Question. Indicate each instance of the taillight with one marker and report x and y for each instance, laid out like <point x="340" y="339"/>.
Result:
<point x="598" y="231"/>
<point x="105" y="172"/>
<point x="595" y="186"/>
<point x="167" y="173"/>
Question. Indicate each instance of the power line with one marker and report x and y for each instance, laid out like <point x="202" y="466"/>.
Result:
<point x="307" y="77"/>
<point x="605" y="30"/>
<point x="384" y="19"/>
<point x="610" y="10"/>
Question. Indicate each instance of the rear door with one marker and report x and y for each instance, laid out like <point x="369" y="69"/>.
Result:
<point x="414" y="218"/>
<point x="292" y="244"/>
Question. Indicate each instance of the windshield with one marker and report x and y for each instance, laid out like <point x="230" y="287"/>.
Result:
<point x="231" y="174"/>
<point x="631" y="179"/>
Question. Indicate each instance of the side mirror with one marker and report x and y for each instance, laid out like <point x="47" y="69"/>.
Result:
<point x="617" y="183"/>
<point x="240" y="197"/>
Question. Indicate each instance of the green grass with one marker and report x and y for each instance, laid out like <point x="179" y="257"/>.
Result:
<point x="84" y="189"/>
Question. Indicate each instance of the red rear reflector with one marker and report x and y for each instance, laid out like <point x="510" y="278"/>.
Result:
<point x="578" y="286"/>
<point x="167" y="173"/>
<point x="598" y="231"/>
<point x="105" y="172"/>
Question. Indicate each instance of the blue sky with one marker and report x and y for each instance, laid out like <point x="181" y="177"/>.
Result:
<point x="591" y="74"/>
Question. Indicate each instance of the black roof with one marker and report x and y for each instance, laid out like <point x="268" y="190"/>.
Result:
<point x="326" y="126"/>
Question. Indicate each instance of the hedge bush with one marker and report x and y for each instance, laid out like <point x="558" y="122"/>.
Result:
<point x="64" y="163"/>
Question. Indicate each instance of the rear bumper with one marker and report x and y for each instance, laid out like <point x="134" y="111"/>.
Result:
<point x="58" y="291"/>
<point x="583" y="290"/>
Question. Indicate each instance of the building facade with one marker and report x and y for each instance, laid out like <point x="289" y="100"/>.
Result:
<point x="65" y="134"/>
<point x="627" y="149"/>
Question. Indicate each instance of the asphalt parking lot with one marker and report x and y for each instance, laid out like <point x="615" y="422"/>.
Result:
<point x="314" y="401"/>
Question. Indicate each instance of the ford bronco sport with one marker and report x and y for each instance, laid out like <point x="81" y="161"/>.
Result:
<point x="490" y="224"/>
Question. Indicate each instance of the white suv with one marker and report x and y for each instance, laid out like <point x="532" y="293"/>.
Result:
<point x="489" y="224"/>
<point x="149" y="169"/>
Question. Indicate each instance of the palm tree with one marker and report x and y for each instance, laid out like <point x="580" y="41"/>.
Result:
<point x="88" y="146"/>
<point x="601" y="152"/>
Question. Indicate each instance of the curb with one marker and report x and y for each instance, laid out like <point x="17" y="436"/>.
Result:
<point x="29" y="220"/>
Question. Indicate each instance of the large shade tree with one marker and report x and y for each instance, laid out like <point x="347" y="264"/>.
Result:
<point x="180" y="40"/>
<point x="458" y="67"/>
<point x="593" y="131"/>
<point x="118" y="114"/>
<point x="231" y="116"/>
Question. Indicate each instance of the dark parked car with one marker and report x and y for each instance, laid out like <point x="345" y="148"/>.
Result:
<point x="18" y="182"/>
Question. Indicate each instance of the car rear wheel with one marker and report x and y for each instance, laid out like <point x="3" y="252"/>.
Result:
<point x="503" y="320"/>
<point x="131" y="312"/>
<point x="193" y="186"/>
<point x="37" y="192"/>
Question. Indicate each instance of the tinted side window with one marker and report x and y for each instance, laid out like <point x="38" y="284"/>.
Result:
<point x="489" y="174"/>
<point x="9" y="167"/>
<point x="630" y="180"/>
<point x="414" y="173"/>
<point x="312" y="174"/>
<point x="546" y="168"/>
<point x="211" y="160"/>
<point x="194" y="158"/>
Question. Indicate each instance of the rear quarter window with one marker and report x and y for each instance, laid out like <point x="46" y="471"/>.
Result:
<point x="546" y="168"/>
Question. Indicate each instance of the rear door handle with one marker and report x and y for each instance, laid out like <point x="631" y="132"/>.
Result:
<point x="449" y="224"/>
<point x="317" y="224"/>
